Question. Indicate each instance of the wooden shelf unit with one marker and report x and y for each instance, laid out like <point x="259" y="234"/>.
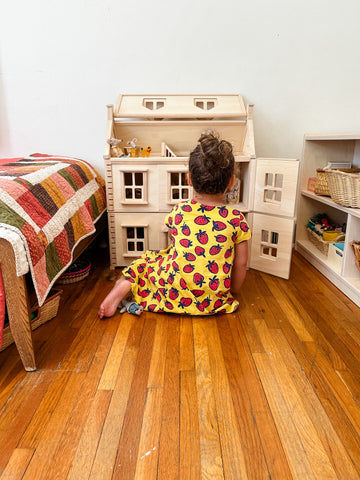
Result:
<point x="318" y="150"/>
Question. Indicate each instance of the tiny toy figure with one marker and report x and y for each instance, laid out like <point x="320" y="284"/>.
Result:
<point x="115" y="150"/>
<point x="146" y="152"/>
<point x="132" y="142"/>
<point x="130" y="307"/>
<point x="133" y="150"/>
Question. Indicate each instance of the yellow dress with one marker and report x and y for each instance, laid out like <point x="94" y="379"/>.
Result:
<point x="193" y="275"/>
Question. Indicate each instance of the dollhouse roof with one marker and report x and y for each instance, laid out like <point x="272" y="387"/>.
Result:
<point x="180" y="106"/>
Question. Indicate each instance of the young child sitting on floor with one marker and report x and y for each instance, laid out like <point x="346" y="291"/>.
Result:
<point x="206" y="261"/>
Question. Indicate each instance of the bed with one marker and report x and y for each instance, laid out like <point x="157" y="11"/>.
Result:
<point x="51" y="209"/>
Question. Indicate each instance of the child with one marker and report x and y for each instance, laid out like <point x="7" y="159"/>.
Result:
<point x="206" y="261"/>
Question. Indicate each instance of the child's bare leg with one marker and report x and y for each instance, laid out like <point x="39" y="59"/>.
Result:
<point x="119" y="291"/>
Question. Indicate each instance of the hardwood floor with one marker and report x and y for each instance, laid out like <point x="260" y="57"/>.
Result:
<point x="272" y="391"/>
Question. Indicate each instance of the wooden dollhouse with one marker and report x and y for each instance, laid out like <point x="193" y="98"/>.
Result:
<point x="147" y="148"/>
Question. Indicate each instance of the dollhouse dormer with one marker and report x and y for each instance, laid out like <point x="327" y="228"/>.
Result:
<point x="146" y="174"/>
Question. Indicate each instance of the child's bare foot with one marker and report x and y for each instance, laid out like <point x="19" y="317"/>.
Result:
<point x="109" y="305"/>
<point x="112" y="300"/>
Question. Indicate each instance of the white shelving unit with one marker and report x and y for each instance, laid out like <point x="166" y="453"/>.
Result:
<point x="318" y="151"/>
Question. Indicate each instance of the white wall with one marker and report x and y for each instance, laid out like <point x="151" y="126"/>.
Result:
<point x="61" y="62"/>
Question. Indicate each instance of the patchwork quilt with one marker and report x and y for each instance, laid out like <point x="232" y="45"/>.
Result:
<point x="51" y="203"/>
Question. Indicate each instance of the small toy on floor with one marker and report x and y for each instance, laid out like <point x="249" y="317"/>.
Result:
<point x="131" y="307"/>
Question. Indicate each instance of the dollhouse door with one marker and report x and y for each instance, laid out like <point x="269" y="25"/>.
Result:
<point x="273" y="217"/>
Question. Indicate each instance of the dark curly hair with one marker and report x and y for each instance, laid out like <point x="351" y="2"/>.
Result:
<point x="211" y="164"/>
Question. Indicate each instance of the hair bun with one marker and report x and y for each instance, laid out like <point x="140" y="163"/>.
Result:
<point x="211" y="164"/>
<point x="213" y="149"/>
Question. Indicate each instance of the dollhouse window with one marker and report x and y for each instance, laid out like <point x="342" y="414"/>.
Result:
<point x="273" y="188"/>
<point x="205" y="103"/>
<point x="179" y="188"/>
<point x="134" y="187"/>
<point x="154" y="103"/>
<point x="269" y="244"/>
<point x="135" y="240"/>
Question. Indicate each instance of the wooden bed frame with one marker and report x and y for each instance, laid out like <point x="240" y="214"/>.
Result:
<point x="17" y="296"/>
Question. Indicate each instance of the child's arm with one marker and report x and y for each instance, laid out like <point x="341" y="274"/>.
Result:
<point x="239" y="266"/>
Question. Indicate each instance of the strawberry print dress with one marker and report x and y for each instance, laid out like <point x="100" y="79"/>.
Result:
<point x="193" y="275"/>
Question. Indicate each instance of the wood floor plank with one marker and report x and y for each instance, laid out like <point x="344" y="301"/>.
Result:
<point x="86" y="342"/>
<point x="271" y="444"/>
<point x="351" y="353"/>
<point x="187" y="361"/>
<point x="234" y="430"/>
<point x="251" y="334"/>
<point x="335" y="336"/>
<point x="125" y="464"/>
<point x="255" y="463"/>
<point x="105" y="457"/>
<point x="42" y="416"/>
<point x="71" y="435"/>
<point x="343" y="427"/>
<point x="18" y="397"/>
<point x="158" y="357"/>
<point x="17" y="465"/>
<point x="190" y="464"/>
<point x="338" y="387"/>
<point x="169" y="457"/>
<point x="335" y="450"/>
<point x="51" y="433"/>
<point x="104" y="461"/>
<point x="308" y="315"/>
<point x="86" y="450"/>
<point x="290" y="311"/>
<point x="291" y="440"/>
<point x="108" y="378"/>
<point x="210" y="447"/>
<point x="11" y="374"/>
<point x="148" y="452"/>
<point x="311" y="444"/>
<point x="14" y="421"/>
<point x="351" y="384"/>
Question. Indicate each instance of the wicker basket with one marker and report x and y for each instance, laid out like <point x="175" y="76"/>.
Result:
<point x="344" y="186"/>
<point x="322" y="185"/>
<point x="321" y="244"/>
<point x="40" y="316"/>
<point x="75" y="273"/>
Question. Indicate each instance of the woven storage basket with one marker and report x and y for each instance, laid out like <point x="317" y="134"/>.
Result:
<point x="322" y="185"/>
<point x="75" y="273"/>
<point x="41" y="315"/>
<point x="344" y="186"/>
<point x="321" y="244"/>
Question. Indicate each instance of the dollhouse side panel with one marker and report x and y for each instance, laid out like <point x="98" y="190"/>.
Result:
<point x="271" y="244"/>
<point x="276" y="186"/>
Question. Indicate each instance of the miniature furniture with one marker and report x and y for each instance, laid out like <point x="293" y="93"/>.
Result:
<point x="82" y="214"/>
<point x="142" y="188"/>
<point x="318" y="151"/>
